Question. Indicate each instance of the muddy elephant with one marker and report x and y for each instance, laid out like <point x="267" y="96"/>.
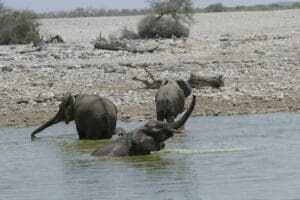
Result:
<point x="95" y="117"/>
<point x="143" y="140"/>
<point x="170" y="99"/>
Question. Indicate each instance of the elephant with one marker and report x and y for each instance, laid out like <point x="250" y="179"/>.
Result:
<point x="145" y="139"/>
<point x="95" y="117"/>
<point x="170" y="99"/>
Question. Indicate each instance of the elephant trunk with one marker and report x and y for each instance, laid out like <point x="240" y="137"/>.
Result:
<point x="182" y="120"/>
<point x="52" y="121"/>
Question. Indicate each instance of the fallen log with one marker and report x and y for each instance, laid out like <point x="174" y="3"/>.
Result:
<point x="38" y="49"/>
<point x="194" y="81"/>
<point x="144" y="50"/>
<point x="149" y="85"/>
<point x="200" y="81"/>
<point x="112" y="46"/>
<point x="117" y="46"/>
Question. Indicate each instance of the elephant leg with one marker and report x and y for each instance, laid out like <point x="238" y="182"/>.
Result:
<point x="98" y="129"/>
<point x="170" y="119"/>
<point x="81" y="134"/>
<point x="113" y="124"/>
<point x="170" y="116"/>
<point x="160" y="115"/>
<point x="94" y="131"/>
<point x="162" y="145"/>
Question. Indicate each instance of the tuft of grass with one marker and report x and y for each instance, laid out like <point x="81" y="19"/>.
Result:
<point x="163" y="27"/>
<point x="18" y="28"/>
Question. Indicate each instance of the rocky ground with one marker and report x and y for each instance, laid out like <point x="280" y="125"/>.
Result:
<point x="258" y="53"/>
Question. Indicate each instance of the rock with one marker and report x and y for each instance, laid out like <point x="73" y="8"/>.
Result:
<point x="7" y="69"/>
<point x="109" y="69"/>
<point x="23" y="101"/>
<point x="44" y="97"/>
<point x="260" y="52"/>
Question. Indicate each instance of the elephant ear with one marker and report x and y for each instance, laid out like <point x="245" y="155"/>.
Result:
<point x="164" y="82"/>
<point x="67" y="107"/>
<point x="185" y="87"/>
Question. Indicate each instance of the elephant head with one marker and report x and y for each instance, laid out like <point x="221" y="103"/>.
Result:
<point x="186" y="88"/>
<point x="143" y="140"/>
<point x="152" y="135"/>
<point x="65" y="113"/>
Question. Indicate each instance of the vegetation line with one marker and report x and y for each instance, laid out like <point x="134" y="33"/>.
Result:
<point x="100" y="12"/>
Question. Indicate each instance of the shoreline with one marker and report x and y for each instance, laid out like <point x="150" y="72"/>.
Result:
<point x="228" y="108"/>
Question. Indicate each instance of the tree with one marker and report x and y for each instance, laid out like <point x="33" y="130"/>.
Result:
<point x="2" y="8"/>
<point x="179" y="10"/>
<point x="218" y="7"/>
<point x="18" y="28"/>
<point x="169" y="19"/>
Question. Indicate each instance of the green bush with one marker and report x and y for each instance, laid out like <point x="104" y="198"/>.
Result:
<point x="154" y="27"/>
<point x="218" y="7"/>
<point x="128" y="34"/>
<point x="18" y="28"/>
<point x="296" y="5"/>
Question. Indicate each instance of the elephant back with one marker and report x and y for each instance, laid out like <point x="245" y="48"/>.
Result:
<point x="170" y="98"/>
<point x="96" y="115"/>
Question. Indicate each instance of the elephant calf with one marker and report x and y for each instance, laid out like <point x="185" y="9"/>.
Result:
<point x="143" y="140"/>
<point x="170" y="99"/>
<point x="95" y="117"/>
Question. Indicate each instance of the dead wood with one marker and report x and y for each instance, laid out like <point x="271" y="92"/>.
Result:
<point x="194" y="81"/>
<point x="154" y="84"/>
<point x="117" y="46"/>
<point x="143" y="50"/>
<point x="112" y="46"/>
<point x="149" y="85"/>
<point x="200" y="81"/>
<point x="55" y="39"/>
<point x="38" y="49"/>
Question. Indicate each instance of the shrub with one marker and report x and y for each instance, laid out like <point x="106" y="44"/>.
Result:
<point x="18" y="28"/>
<point x="128" y="34"/>
<point x="2" y="8"/>
<point x="179" y="10"/>
<point x="153" y="27"/>
<point x="218" y="7"/>
<point x="296" y="5"/>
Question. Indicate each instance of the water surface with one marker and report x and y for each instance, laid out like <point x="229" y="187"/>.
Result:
<point x="235" y="157"/>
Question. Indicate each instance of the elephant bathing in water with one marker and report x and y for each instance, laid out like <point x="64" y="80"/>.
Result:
<point x="143" y="140"/>
<point x="95" y="117"/>
<point x="170" y="99"/>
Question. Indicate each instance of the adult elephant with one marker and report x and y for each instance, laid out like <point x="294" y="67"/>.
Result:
<point x="95" y="117"/>
<point x="170" y="99"/>
<point x="143" y="140"/>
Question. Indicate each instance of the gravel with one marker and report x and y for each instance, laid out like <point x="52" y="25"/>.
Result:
<point x="258" y="53"/>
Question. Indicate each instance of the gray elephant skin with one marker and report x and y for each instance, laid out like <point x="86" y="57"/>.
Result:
<point x="95" y="117"/>
<point x="170" y="99"/>
<point x="143" y="140"/>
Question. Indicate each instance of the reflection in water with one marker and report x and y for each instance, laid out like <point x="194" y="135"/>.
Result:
<point x="237" y="157"/>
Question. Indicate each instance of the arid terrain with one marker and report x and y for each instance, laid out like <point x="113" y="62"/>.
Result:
<point x="258" y="53"/>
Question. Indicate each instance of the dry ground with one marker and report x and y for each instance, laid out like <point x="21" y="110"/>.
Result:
<point x="257" y="52"/>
